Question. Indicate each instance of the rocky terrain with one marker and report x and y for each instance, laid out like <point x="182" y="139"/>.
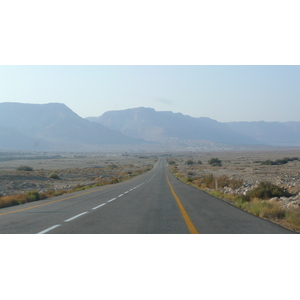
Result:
<point x="88" y="169"/>
<point x="247" y="166"/>
<point x="72" y="171"/>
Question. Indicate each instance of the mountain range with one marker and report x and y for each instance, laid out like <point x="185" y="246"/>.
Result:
<point x="170" y="128"/>
<point x="55" y="127"/>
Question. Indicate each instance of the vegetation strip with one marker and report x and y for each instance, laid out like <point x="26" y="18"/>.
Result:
<point x="186" y="217"/>
<point x="10" y="212"/>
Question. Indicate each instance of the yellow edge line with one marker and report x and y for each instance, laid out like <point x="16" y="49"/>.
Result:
<point x="186" y="217"/>
<point x="10" y="212"/>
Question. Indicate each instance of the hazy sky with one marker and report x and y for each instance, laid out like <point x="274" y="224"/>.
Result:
<point x="223" y="93"/>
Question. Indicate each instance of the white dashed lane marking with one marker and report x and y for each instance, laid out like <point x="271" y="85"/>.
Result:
<point x="98" y="206"/>
<point x="111" y="200"/>
<point x="48" y="229"/>
<point x="73" y="218"/>
<point x="76" y="216"/>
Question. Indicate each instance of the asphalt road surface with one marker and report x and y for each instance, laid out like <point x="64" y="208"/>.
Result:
<point x="155" y="202"/>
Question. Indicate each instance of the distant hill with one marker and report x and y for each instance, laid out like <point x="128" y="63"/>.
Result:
<point x="270" y="133"/>
<point x="169" y="127"/>
<point x="53" y="126"/>
<point x="176" y="128"/>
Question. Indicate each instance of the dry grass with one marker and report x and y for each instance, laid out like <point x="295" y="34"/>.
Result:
<point x="293" y="218"/>
<point x="266" y="209"/>
<point x="13" y="200"/>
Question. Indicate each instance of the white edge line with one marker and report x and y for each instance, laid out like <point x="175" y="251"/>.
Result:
<point x="76" y="216"/>
<point x="99" y="206"/>
<point x="48" y="229"/>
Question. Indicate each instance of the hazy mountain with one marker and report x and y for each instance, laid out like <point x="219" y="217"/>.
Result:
<point x="270" y="133"/>
<point x="53" y="127"/>
<point x="172" y="128"/>
<point x="169" y="127"/>
<point x="56" y="127"/>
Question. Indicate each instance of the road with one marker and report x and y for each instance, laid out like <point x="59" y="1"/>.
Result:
<point x="153" y="203"/>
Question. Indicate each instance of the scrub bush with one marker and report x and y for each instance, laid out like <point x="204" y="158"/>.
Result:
<point x="24" y="168"/>
<point x="32" y="196"/>
<point x="215" y="162"/>
<point x="266" y="190"/>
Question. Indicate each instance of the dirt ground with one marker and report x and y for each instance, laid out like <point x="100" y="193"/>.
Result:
<point x="72" y="170"/>
<point x="84" y="169"/>
<point x="246" y="166"/>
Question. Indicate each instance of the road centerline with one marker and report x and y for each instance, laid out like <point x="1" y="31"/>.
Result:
<point x="185" y="215"/>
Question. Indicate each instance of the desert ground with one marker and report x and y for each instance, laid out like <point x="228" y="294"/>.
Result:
<point x="86" y="169"/>
<point x="247" y="167"/>
<point x="72" y="170"/>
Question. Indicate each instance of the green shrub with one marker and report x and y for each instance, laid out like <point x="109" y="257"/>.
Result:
<point x="189" y="162"/>
<point x="215" y="162"/>
<point x="266" y="190"/>
<point x="283" y="161"/>
<point x="53" y="176"/>
<point x="33" y="196"/>
<point x="24" y="168"/>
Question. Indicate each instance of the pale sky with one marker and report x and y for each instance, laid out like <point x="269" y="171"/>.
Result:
<point x="223" y="93"/>
<point x="226" y="60"/>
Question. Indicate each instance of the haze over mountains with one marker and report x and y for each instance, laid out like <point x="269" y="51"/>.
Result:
<point x="53" y="126"/>
<point x="168" y="127"/>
